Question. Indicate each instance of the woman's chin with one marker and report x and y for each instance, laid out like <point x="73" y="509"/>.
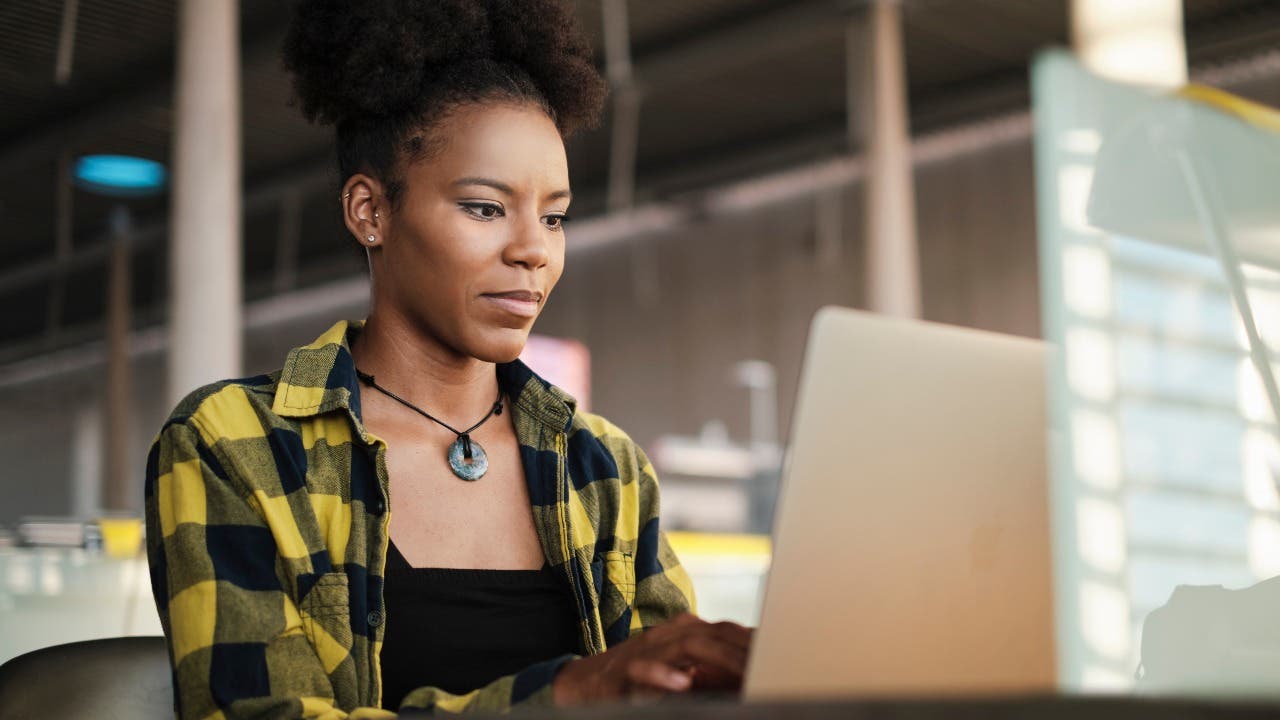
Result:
<point x="500" y="345"/>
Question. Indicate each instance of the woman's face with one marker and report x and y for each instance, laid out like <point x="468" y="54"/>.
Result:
<point x="477" y="244"/>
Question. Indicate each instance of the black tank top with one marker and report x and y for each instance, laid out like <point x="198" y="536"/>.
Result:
<point x="459" y="630"/>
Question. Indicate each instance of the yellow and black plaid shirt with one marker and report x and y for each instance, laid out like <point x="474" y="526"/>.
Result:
<point x="267" y="532"/>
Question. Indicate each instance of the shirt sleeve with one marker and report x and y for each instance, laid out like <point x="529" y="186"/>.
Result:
<point x="663" y="588"/>
<point x="236" y="641"/>
<point x="528" y="688"/>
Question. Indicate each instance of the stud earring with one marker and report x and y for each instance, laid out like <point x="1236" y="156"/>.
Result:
<point x="371" y="239"/>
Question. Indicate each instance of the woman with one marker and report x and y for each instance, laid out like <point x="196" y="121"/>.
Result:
<point x="405" y="516"/>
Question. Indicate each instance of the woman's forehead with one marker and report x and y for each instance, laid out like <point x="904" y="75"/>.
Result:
<point x="517" y="146"/>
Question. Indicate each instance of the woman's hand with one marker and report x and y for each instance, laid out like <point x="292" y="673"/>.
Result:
<point x="682" y="654"/>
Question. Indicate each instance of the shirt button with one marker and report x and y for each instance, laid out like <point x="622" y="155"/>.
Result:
<point x="378" y="506"/>
<point x="375" y="618"/>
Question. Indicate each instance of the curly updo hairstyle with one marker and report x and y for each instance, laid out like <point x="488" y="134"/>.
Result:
<point x="383" y="72"/>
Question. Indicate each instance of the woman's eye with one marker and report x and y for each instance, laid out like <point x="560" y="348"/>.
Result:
<point x="555" y="222"/>
<point x="484" y="211"/>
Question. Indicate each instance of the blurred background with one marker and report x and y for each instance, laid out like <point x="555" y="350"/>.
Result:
<point x="759" y="159"/>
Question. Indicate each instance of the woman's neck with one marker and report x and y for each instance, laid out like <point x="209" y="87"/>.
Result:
<point x="419" y="368"/>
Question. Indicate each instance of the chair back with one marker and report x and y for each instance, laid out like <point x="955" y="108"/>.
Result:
<point x="125" y="678"/>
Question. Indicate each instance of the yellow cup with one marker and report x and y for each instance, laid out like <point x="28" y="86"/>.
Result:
<point x="121" y="537"/>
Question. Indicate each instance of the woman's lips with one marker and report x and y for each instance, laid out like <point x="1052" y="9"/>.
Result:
<point x="522" y="303"/>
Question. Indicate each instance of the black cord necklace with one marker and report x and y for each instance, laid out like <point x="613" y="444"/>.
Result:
<point x="466" y="457"/>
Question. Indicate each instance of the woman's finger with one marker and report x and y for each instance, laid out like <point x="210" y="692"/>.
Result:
<point x="657" y="675"/>
<point x="733" y="633"/>
<point x="706" y="677"/>
<point x="710" y="649"/>
<point x="700" y="647"/>
<point x="685" y="619"/>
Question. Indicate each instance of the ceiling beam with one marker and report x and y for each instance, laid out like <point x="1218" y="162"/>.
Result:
<point x="121" y="102"/>
<point x="707" y="56"/>
<point x="741" y="44"/>
<point x="304" y="178"/>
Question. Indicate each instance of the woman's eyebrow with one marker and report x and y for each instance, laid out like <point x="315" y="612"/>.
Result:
<point x="505" y="188"/>
<point x="487" y="182"/>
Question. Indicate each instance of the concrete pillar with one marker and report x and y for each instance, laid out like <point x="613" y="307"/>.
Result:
<point x="623" y="145"/>
<point x="63" y="226"/>
<point x="288" y="241"/>
<point x="204" y="264"/>
<point x="893" y="265"/>
<point x="66" y="42"/>
<point x="121" y="480"/>
<point x="87" y="473"/>
<point x="1136" y="41"/>
<point x="761" y="380"/>
<point x="626" y="106"/>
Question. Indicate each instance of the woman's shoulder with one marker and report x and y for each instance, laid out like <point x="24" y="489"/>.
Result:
<point x="218" y="406"/>
<point x="597" y="425"/>
<point x="226" y="403"/>
<point x="210" y="420"/>
<point x="595" y="437"/>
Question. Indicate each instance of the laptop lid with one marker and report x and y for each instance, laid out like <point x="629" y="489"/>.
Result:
<point x="911" y="542"/>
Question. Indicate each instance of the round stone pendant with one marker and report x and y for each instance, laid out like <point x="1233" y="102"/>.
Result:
<point x="469" y="470"/>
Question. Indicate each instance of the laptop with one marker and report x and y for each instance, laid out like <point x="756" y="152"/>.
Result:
<point x="911" y="541"/>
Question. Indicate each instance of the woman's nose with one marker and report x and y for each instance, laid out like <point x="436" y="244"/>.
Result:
<point x="528" y="246"/>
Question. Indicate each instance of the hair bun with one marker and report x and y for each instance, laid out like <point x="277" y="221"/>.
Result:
<point x="373" y="57"/>
<point x="378" y="57"/>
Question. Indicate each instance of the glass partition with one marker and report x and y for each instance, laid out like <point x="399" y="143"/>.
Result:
<point x="1159" y="219"/>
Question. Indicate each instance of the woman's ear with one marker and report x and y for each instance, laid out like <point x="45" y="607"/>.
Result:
<point x="363" y="209"/>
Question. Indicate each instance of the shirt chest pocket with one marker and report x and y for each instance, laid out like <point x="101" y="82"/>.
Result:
<point x="620" y="572"/>
<point x="326" y="618"/>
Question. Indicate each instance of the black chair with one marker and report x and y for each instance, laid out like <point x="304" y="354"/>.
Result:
<point x="113" y="679"/>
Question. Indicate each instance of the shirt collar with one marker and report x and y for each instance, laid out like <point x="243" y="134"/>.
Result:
<point x="321" y="377"/>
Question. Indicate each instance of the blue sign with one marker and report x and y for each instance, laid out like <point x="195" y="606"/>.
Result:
<point x="119" y="175"/>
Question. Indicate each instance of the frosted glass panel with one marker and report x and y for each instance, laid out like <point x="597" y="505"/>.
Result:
<point x="1160" y="244"/>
